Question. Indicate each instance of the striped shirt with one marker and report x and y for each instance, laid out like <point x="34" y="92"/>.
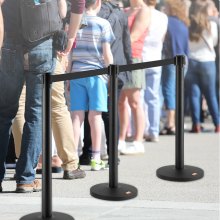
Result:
<point x="88" y="53"/>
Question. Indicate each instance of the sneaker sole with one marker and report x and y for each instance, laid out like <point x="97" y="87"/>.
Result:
<point x="149" y="140"/>
<point x="92" y="169"/>
<point x="75" y="177"/>
<point x="138" y="153"/>
<point x="18" y="190"/>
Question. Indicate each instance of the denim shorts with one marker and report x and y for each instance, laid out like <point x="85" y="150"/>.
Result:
<point x="88" y="94"/>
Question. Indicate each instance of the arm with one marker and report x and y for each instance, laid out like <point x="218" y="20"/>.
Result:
<point x="77" y="9"/>
<point x="214" y="33"/>
<point x="1" y="24"/>
<point x="141" y="23"/>
<point x="107" y="53"/>
<point x="62" y="8"/>
<point x="75" y="20"/>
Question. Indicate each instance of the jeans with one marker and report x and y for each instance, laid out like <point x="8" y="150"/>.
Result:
<point x="168" y="83"/>
<point x="12" y="77"/>
<point x="201" y="78"/>
<point x="152" y="100"/>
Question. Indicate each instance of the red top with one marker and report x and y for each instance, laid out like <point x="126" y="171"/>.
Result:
<point x="77" y="6"/>
<point x="136" y="46"/>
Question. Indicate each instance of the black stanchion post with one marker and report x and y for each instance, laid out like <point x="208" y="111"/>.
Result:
<point x="113" y="191"/>
<point x="47" y="213"/>
<point x="179" y="172"/>
<point x="113" y="128"/>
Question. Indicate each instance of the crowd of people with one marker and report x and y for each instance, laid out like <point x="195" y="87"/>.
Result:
<point x="101" y="33"/>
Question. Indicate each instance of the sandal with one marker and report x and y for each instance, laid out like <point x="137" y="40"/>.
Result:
<point x="167" y="131"/>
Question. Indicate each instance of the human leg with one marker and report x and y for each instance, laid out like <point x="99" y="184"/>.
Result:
<point x="123" y="115"/>
<point x="11" y="83"/>
<point x="168" y="82"/>
<point x="40" y="61"/>
<point x="85" y="158"/>
<point x="194" y="93"/>
<point x="208" y="76"/>
<point x="95" y="121"/>
<point x="152" y="99"/>
<point x="62" y="125"/>
<point x="18" y="123"/>
<point x="134" y="100"/>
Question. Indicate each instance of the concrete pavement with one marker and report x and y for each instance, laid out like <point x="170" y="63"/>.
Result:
<point x="157" y="199"/>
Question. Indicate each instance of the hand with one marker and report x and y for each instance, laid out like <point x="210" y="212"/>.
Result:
<point x="69" y="46"/>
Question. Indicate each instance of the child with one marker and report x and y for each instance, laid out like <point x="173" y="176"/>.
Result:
<point x="92" y="51"/>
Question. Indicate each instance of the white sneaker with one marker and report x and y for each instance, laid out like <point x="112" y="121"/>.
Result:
<point x="121" y="145"/>
<point x="135" y="147"/>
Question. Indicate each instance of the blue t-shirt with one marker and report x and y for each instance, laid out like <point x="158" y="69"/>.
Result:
<point x="88" y="53"/>
<point x="177" y="38"/>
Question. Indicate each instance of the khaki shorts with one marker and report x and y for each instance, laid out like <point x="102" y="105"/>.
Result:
<point x="137" y="78"/>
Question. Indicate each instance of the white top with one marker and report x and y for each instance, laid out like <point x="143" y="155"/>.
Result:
<point x="200" y="51"/>
<point x="153" y="42"/>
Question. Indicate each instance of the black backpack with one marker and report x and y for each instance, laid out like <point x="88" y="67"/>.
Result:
<point x="39" y="21"/>
<point x="111" y="12"/>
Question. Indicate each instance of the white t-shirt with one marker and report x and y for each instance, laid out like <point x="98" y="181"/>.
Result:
<point x="153" y="42"/>
<point x="200" y="51"/>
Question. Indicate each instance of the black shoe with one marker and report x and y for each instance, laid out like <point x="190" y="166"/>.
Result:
<point x="84" y="159"/>
<point x="53" y="170"/>
<point x="74" y="174"/>
<point x="1" y="187"/>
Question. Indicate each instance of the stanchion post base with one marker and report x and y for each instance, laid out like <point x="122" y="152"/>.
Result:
<point x="55" y="216"/>
<point x="188" y="173"/>
<point x="120" y="193"/>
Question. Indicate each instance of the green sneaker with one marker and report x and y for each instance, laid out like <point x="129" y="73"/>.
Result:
<point x="98" y="165"/>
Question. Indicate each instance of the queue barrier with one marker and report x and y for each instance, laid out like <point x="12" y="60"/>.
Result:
<point x="113" y="191"/>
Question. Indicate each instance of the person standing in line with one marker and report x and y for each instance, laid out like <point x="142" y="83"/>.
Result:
<point x="152" y="50"/>
<point x="92" y="51"/>
<point x="138" y="22"/>
<point x="12" y="76"/>
<point x="67" y="155"/>
<point x="201" y="75"/>
<point x="121" y="50"/>
<point x="175" y="43"/>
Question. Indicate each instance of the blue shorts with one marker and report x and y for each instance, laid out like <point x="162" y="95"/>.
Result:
<point x="88" y="93"/>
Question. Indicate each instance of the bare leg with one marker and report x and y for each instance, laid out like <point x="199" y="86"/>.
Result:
<point x="171" y="119"/>
<point x="95" y="121"/>
<point x="134" y="100"/>
<point x="123" y="115"/>
<point x="77" y="118"/>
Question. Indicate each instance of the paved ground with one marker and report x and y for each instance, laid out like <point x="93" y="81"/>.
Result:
<point x="157" y="199"/>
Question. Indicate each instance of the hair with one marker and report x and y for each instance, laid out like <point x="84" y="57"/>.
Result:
<point x="151" y="2"/>
<point x="177" y="8"/>
<point x="199" y="19"/>
<point x="89" y="3"/>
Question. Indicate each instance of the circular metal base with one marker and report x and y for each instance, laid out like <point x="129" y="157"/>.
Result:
<point x="188" y="173"/>
<point x="55" y="216"/>
<point x="122" y="192"/>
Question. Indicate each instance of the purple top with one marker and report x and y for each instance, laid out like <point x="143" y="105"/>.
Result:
<point x="77" y="6"/>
